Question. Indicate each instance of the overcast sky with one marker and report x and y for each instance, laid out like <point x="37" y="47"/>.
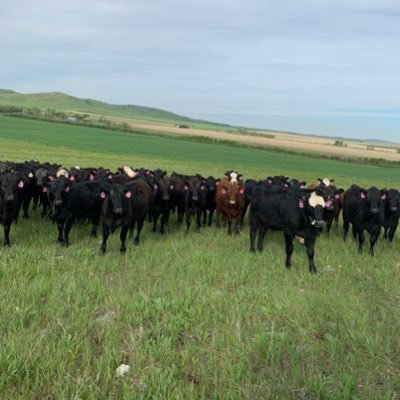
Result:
<point x="312" y="66"/>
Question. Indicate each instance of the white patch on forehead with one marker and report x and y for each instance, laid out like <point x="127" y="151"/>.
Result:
<point x="316" y="200"/>
<point x="129" y="171"/>
<point x="233" y="176"/>
<point x="326" y="182"/>
<point x="62" y="172"/>
<point x="77" y="167"/>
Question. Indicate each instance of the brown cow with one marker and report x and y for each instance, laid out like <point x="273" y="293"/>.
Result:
<point x="230" y="203"/>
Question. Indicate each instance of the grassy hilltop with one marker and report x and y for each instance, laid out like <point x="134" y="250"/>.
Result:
<point x="195" y="316"/>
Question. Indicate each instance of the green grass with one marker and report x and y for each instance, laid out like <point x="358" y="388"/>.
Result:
<point x="194" y="316"/>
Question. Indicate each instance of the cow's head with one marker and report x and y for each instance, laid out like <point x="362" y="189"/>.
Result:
<point x="314" y="207"/>
<point x="392" y="200"/>
<point x="59" y="188"/>
<point x="374" y="199"/>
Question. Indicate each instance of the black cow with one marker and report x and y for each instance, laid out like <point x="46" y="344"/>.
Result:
<point x="365" y="210"/>
<point x="177" y="195"/>
<point x="161" y="203"/>
<point x="79" y="201"/>
<point x="207" y="195"/>
<point x="331" y="197"/>
<point x="193" y="200"/>
<point x="392" y="213"/>
<point x="11" y="186"/>
<point x="289" y="211"/>
<point x="116" y="211"/>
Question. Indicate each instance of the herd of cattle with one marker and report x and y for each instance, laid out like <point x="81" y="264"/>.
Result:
<point x="125" y="198"/>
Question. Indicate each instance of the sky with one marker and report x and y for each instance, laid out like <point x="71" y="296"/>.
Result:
<point x="308" y="66"/>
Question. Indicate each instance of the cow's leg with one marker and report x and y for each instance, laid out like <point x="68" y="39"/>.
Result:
<point x="310" y="242"/>
<point x="328" y="225"/>
<point x="106" y="234"/>
<point x="35" y="197"/>
<point x="188" y="220"/>
<point x="355" y="231"/>
<point x="228" y="219"/>
<point x="138" y="230"/>
<point x="60" y="227"/>
<point x="164" y="220"/>
<point x="155" y="220"/>
<point x="7" y="227"/>
<point x="95" y="222"/>
<point x="198" y="219"/>
<point x="253" y="222"/>
<point x="262" y="230"/>
<point x="392" y="230"/>
<point x="204" y="213"/>
<point x="289" y="249"/>
<point x="372" y="240"/>
<point x="385" y="232"/>
<point x="68" y="225"/>
<point x="346" y="225"/>
<point x="361" y="239"/>
<point x="25" y="206"/>
<point x="124" y="233"/>
<point x="237" y="224"/>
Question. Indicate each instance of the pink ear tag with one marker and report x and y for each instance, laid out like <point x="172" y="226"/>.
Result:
<point x="241" y="191"/>
<point x="66" y="189"/>
<point x="102" y="195"/>
<point x="362" y="195"/>
<point x="301" y="203"/>
<point x="20" y="184"/>
<point x="185" y="187"/>
<point x="45" y="189"/>
<point x="383" y="197"/>
<point x="223" y="191"/>
<point x="91" y="177"/>
<point x="155" y="186"/>
<point x="337" y="196"/>
<point x="171" y="187"/>
<point x="71" y="178"/>
<point x="128" y="195"/>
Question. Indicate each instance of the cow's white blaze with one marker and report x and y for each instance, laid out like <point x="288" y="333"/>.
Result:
<point x="62" y="172"/>
<point x="233" y="176"/>
<point x="326" y="182"/>
<point x="129" y="171"/>
<point x="316" y="200"/>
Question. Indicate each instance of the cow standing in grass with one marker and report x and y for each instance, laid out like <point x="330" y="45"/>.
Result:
<point x="230" y="203"/>
<point x="365" y="210"/>
<point x="392" y="213"/>
<point x="292" y="212"/>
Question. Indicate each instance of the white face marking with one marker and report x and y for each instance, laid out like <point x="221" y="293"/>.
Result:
<point x="316" y="200"/>
<point x="77" y="167"/>
<point x="62" y="172"/>
<point x="233" y="176"/>
<point x="30" y="175"/>
<point x="129" y="171"/>
<point x="326" y="182"/>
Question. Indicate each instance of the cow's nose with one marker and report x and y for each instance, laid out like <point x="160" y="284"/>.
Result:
<point x="232" y="202"/>
<point x="374" y="210"/>
<point x="118" y="211"/>
<point x="10" y="197"/>
<point x="58" y="202"/>
<point x="394" y="208"/>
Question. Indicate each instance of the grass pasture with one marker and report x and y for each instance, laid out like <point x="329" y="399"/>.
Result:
<point x="194" y="316"/>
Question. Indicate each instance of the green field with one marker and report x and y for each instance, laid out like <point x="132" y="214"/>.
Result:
<point x="62" y="101"/>
<point x="194" y="316"/>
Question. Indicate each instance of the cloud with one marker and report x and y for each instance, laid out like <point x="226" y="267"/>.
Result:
<point x="283" y="62"/>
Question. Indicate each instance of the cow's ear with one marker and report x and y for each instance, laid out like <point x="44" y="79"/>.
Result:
<point x="185" y="187"/>
<point x="128" y="194"/>
<point x="302" y="201"/>
<point x="383" y="194"/>
<point x="217" y="182"/>
<point x="363" y="194"/>
<point x="340" y="191"/>
<point x="269" y="179"/>
<point x="51" y="177"/>
<point x="319" y="180"/>
<point x="240" y="177"/>
<point x="103" y="194"/>
<point x="303" y="185"/>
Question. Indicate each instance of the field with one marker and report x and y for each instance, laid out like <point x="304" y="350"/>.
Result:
<point x="195" y="316"/>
